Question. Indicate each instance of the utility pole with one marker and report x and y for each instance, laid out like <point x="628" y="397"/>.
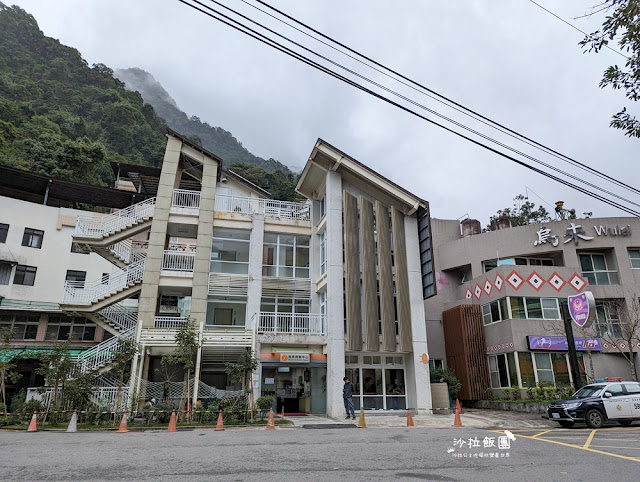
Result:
<point x="573" y="356"/>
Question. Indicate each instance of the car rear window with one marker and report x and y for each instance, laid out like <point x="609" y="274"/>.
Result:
<point x="632" y="388"/>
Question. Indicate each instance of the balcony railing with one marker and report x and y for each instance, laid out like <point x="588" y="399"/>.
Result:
<point x="168" y="322"/>
<point x="178" y="261"/>
<point x="268" y="207"/>
<point x="291" y="323"/>
<point x="601" y="278"/>
<point x="185" y="201"/>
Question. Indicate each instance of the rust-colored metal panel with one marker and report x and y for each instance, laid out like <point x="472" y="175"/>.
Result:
<point x="352" y="272"/>
<point x="369" y="289"/>
<point x="465" y="348"/>
<point x="402" y="281"/>
<point x="385" y="276"/>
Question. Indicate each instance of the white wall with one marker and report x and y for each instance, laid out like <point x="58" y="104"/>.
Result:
<point x="53" y="259"/>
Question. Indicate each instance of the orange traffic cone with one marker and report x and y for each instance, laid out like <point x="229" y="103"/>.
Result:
<point x="409" y="418"/>
<point x="33" y="425"/>
<point x="123" y="424"/>
<point x="456" y="420"/>
<point x="270" y="423"/>
<point x="220" y="425"/>
<point x="172" y="423"/>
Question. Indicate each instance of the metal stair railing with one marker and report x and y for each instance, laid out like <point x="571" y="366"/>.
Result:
<point x="77" y="292"/>
<point x="126" y="252"/>
<point x="100" y="226"/>
<point x="120" y="316"/>
<point x="102" y="353"/>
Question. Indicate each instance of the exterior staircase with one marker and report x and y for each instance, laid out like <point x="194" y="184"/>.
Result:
<point x="95" y="296"/>
<point x="100" y="232"/>
<point x="99" y="356"/>
<point x="115" y="318"/>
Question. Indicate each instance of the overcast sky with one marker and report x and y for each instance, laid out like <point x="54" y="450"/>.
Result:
<point x="506" y="59"/>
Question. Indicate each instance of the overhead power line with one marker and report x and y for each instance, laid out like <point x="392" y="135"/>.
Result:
<point x="431" y="111"/>
<point x="576" y="28"/>
<point x="272" y="43"/>
<point x="435" y="95"/>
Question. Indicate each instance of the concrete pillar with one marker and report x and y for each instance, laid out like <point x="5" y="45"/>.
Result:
<point x="254" y="291"/>
<point x="335" y="303"/>
<point x="352" y="273"/>
<point x="157" y="238"/>
<point x="200" y="287"/>
<point x="419" y="390"/>
<point x="385" y="275"/>
<point x="369" y="288"/>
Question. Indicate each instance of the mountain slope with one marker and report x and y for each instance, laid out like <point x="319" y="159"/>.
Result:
<point x="215" y="139"/>
<point x="60" y="117"/>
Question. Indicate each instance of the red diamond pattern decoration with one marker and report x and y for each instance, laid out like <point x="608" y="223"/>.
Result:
<point x="515" y="280"/>
<point x="477" y="292"/>
<point x="556" y="282"/>
<point x="623" y="346"/>
<point x="499" y="282"/>
<point x="578" y="282"/>
<point x="487" y="287"/>
<point x="468" y="294"/>
<point x="536" y="281"/>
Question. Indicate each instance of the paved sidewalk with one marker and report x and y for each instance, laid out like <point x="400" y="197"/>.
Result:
<point x="477" y="418"/>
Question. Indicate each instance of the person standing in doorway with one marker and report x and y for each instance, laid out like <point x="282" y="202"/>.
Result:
<point x="347" y="395"/>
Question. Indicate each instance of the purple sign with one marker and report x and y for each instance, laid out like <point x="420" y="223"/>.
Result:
<point x="559" y="343"/>
<point x="579" y="308"/>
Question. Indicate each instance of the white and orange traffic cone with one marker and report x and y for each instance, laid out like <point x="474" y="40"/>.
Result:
<point x="409" y="418"/>
<point x="123" y="424"/>
<point x="33" y="425"/>
<point x="220" y="425"/>
<point x="456" y="420"/>
<point x="173" y="423"/>
<point x="270" y="423"/>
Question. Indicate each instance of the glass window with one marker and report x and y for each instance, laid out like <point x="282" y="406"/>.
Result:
<point x="230" y="251"/>
<point x="32" y="238"/>
<point x="595" y="271"/>
<point x="5" y="273"/>
<point x="560" y="368"/>
<point x="615" y="389"/>
<point x="544" y="368"/>
<point x="486" y="314"/>
<point x="24" y="326"/>
<point x="76" y="249"/>
<point x="74" y="328"/>
<point x="323" y="253"/>
<point x="25" y="275"/>
<point x="490" y="264"/>
<point x="4" y="230"/>
<point x="513" y="374"/>
<point x="534" y="308"/>
<point x="634" y="256"/>
<point x="517" y="307"/>
<point x="608" y="319"/>
<point x="632" y="388"/>
<point x="77" y="278"/>
<point x="286" y="256"/>
<point x="526" y="369"/>
<point x="550" y="309"/>
<point x="493" y="371"/>
<point x="226" y="311"/>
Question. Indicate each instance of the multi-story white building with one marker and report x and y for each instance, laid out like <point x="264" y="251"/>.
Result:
<point x="316" y="289"/>
<point x="37" y="256"/>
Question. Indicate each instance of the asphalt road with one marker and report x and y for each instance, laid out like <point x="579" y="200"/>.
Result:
<point x="323" y="454"/>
